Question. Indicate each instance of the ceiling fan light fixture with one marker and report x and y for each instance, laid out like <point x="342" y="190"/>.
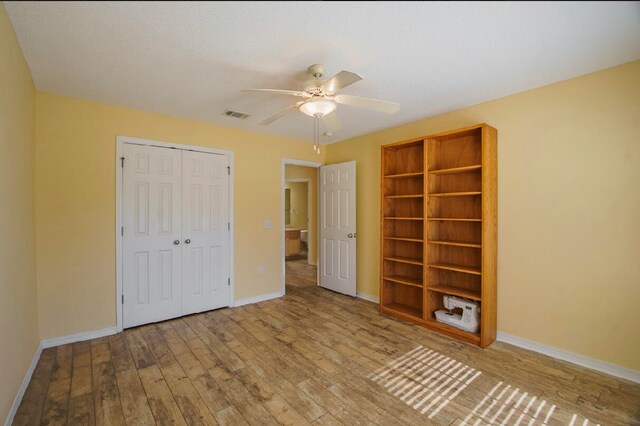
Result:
<point x="317" y="108"/>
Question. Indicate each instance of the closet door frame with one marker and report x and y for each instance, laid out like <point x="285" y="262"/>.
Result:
<point x="120" y="141"/>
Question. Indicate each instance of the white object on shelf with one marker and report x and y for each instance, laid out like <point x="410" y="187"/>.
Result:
<point x="470" y="318"/>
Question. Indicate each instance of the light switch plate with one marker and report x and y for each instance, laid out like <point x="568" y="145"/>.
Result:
<point x="267" y="224"/>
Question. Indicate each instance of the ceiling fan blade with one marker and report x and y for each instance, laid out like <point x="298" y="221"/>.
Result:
<point x="340" y="81"/>
<point x="374" y="104"/>
<point x="280" y="92"/>
<point x="281" y="114"/>
<point x="331" y="122"/>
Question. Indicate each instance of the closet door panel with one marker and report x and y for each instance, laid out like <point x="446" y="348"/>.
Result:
<point x="205" y="219"/>
<point x="152" y="221"/>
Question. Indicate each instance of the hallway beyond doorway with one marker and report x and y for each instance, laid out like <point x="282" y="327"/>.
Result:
<point x="299" y="273"/>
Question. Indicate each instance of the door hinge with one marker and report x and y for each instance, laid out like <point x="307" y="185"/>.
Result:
<point x="122" y="162"/>
<point x="122" y="299"/>
<point x="229" y="226"/>
<point x="229" y="170"/>
<point x="122" y="231"/>
<point x="228" y="281"/>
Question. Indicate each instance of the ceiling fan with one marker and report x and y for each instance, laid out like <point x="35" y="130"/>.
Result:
<point x="321" y="99"/>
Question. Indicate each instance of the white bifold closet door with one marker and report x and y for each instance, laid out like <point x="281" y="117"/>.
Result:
<point x="205" y="219"/>
<point x="176" y="239"/>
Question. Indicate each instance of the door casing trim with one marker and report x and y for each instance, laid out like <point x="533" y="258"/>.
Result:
<point x="120" y="141"/>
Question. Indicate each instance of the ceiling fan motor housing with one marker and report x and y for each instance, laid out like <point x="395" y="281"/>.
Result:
<point x="316" y="70"/>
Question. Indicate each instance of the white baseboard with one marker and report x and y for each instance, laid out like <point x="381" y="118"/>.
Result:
<point x="256" y="299"/>
<point x="581" y="360"/>
<point x="367" y="296"/>
<point x="79" y="337"/>
<point x="23" y="386"/>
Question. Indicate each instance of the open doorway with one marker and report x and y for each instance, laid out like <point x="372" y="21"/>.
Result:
<point x="300" y="217"/>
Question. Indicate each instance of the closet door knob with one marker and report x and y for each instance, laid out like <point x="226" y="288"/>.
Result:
<point x="176" y="242"/>
<point x="187" y="241"/>
<point x="350" y="235"/>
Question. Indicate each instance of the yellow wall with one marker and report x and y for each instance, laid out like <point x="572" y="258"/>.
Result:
<point x="75" y="218"/>
<point x="298" y="204"/>
<point x="311" y="173"/>
<point x="18" y="303"/>
<point x="568" y="210"/>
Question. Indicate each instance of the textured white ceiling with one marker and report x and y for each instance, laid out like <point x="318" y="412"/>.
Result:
<point x="192" y="59"/>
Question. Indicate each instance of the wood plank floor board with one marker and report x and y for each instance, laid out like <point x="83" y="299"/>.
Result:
<point x="251" y="408"/>
<point x="230" y="416"/>
<point x="208" y="388"/>
<point x="106" y="398"/>
<point x="56" y="404"/>
<point x="135" y="405"/>
<point x="142" y="355"/>
<point x="193" y="408"/>
<point x="312" y="357"/>
<point x="157" y="346"/>
<point x="81" y="409"/>
<point x="243" y="335"/>
<point x="295" y="361"/>
<point x="226" y="355"/>
<point x="326" y="420"/>
<point x="163" y="406"/>
<point x="62" y="366"/>
<point x="303" y="404"/>
<point x="334" y="405"/>
<point x="361" y="402"/>
<point x="30" y="410"/>
<point x="216" y="327"/>
<point x="120" y="353"/>
<point x="209" y="360"/>
<point x="277" y="406"/>
<point x="81" y="380"/>
<point x="175" y="343"/>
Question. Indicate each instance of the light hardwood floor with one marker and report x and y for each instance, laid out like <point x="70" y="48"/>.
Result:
<point x="299" y="273"/>
<point x="312" y="357"/>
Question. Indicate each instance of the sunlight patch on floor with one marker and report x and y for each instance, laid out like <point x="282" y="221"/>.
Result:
<point x="425" y="379"/>
<point x="429" y="381"/>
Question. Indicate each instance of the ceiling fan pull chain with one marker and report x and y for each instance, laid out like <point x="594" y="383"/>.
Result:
<point x="316" y="133"/>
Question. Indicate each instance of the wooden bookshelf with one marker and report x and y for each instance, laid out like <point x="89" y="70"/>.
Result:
<point x="464" y="169"/>
<point x="456" y="243"/>
<point x="414" y="240"/>
<point x="404" y="175"/>
<point x="403" y="280"/>
<point x="457" y="268"/>
<point x="439" y="227"/>
<point x="449" y="289"/>
<point x="409" y="260"/>
<point x="405" y="196"/>
<point x="403" y="229"/>
<point x="454" y="194"/>
<point x="454" y="219"/>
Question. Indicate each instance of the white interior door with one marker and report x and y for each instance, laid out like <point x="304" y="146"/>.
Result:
<point x="338" y="227"/>
<point x="176" y="236"/>
<point x="205" y="231"/>
<point x="151" y="245"/>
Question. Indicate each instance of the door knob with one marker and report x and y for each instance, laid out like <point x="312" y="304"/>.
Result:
<point x="176" y="242"/>
<point x="187" y="241"/>
<point x="350" y="235"/>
